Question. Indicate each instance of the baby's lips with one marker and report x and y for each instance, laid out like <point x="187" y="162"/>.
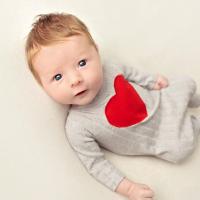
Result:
<point x="81" y="92"/>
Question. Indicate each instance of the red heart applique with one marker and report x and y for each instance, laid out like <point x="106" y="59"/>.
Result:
<point x="126" y="107"/>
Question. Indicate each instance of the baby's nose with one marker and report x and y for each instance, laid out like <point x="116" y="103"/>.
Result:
<point x="75" y="79"/>
<point x="75" y="82"/>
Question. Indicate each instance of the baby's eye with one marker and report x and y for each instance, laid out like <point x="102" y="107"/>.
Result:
<point x="82" y="63"/>
<point x="57" y="77"/>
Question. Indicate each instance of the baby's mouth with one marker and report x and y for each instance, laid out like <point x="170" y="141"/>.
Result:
<point x="80" y="93"/>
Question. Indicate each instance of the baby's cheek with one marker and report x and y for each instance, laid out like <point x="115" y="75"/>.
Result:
<point x="96" y="76"/>
<point x="64" y="95"/>
<point x="59" y="96"/>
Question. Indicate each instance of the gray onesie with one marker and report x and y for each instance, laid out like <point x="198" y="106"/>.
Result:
<point x="127" y="117"/>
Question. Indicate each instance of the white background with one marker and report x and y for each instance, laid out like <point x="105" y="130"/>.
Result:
<point x="36" y="162"/>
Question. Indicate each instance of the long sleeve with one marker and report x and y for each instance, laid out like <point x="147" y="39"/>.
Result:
<point x="91" y="156"/>
<point x="141" y="78"/>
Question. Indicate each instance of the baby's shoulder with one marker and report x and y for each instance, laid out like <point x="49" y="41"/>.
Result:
<point x="75" y="124"/>
<point x="113" y="67"/>
<point x="73" y="121"/>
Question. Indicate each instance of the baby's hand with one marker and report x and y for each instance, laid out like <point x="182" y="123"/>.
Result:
<point x="139" y="191"/>
<point x="161" y="82"/>
<point x="134" y="191"/>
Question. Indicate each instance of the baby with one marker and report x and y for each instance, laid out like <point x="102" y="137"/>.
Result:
<point x="112" y="106"/>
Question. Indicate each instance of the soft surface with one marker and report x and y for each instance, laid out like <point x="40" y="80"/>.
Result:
<point x="36" y="160"/>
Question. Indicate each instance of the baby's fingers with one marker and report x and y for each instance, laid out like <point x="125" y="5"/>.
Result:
<point x="148" y="193"/>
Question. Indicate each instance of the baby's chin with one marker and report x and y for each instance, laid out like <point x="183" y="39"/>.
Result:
<point x="84" y="102"/>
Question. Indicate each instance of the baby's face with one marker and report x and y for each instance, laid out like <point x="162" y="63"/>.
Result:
<point x="70" y="71"/>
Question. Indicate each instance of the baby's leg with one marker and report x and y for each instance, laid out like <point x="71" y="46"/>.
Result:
<point x="194" y="101"/>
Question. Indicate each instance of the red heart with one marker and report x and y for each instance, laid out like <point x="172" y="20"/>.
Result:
<point x="126" y="107"/>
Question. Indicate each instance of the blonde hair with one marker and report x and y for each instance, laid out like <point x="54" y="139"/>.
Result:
<point x="49" y="29"/>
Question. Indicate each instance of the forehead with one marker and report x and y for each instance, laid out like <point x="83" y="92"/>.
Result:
<point x="58" y="53"/>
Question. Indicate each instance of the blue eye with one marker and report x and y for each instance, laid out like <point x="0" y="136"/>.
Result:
<point x="82" y="63"/>
<point x="57" y="77"/>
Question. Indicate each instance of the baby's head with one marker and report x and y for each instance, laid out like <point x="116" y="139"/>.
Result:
<point x="64" y="59"/>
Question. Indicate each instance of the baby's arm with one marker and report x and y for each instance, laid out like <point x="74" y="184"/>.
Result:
<point x="93" y="159"/>
<point x="147" y="80"/>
